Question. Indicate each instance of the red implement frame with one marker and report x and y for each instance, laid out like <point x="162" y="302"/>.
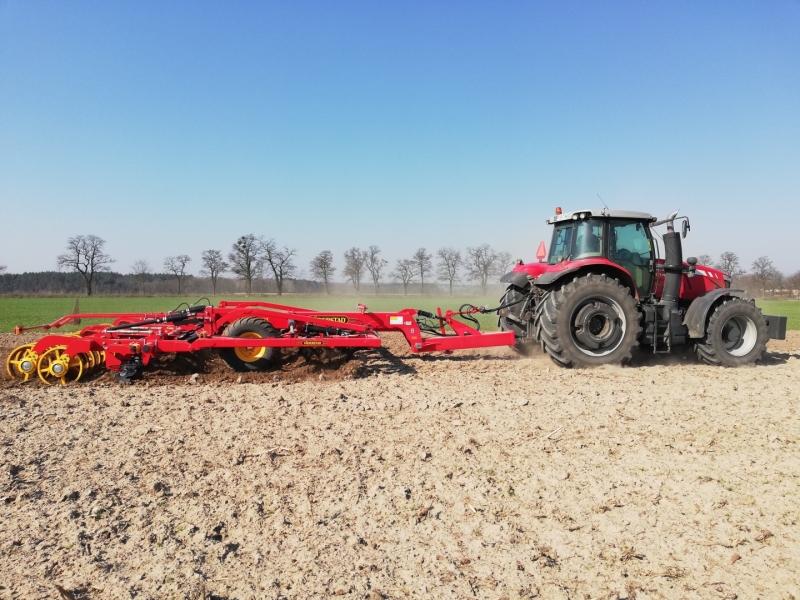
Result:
<point x="203" y="327"/>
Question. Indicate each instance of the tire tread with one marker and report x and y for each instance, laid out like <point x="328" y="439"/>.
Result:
<point x="708" y="349"/>
<point x="548" y="313"/>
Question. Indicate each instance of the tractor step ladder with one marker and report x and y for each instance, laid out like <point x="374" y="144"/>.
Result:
<point x="661" y="336"/>
<point x="657" y="330"/>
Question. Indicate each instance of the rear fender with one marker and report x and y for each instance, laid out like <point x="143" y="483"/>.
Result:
<point x="605" y="267"/>
<point x="516" y="278"/>
<point x="697" y="314"/>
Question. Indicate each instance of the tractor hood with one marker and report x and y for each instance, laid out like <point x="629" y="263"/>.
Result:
<point x="712" y="273"/>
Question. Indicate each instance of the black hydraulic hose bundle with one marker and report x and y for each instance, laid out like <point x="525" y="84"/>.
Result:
<point x="465" y="312"/>
<point x="173" y="317"/>
<point x="327" y="331"/>
<point x="467" y="315"/>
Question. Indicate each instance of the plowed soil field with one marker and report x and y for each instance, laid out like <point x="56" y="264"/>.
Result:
<point x="386" y="475"/>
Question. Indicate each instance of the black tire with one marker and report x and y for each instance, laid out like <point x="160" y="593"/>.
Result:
<point x="518" y="316"/>
<point x="245" y="360"/>
<point x="736" y="335"/>
<point x="589" y="321"/>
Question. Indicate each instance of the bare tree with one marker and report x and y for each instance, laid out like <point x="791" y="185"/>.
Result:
<point x="729" y="263"/>
<point x="504" y="263"/>
<point x="448" y="265"/>
<point x="355" y="261"/>
<point x="246" y="259"/>
<point x="3" y="268"/>
<point x="213" y="265"/>
<point x="404" y="272"/>
<point x="793" y="281"/>
<point x="764" y="271"/>
<point x="322" y="268"/>
<point x="85" y="255"/>
<point x="375" y="264"/>
<point x="140" y="270"/>
<point x="777" y="282"/>
<point x="177" y="266"/>
<point x="280" y="262"/>
<point x="258" y="273"/>
<point x="482" y="263"/>
<point x="424" y="266"/>
<point x="705" y="259"/>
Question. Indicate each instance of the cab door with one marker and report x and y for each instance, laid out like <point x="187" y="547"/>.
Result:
<point x="630" y="246"/>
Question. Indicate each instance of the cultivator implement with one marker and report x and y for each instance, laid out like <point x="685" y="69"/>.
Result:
<point x="53" y="364"/>
<point x="245" y="333"/>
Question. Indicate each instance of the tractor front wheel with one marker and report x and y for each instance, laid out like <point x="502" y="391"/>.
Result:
<point x="590" y="321"/>
<point x="244" y="359"/>
<point x="736" y="335"/>
<point x="514" y="316"/>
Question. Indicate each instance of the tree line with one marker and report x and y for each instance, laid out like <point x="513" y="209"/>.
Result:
<point x="253" y="258"/>
<point x="762" y="279"/>
<point x="256" y="258"/>
<point x="479" y="264"/>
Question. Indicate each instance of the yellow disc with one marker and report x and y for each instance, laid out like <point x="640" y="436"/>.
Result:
<point x="88" y="361"/>
<point x="250" y="354"/>
<point x="54" y="365"/>
<point x="15" y="360"/>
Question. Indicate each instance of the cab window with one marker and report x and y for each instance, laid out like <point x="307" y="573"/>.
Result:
<point x="630" y="247"/>
<point x="561" y="246"/>
<point x="588" y="239"/>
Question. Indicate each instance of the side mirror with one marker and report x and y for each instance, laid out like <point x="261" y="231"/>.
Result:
<point x="685" y="227"/>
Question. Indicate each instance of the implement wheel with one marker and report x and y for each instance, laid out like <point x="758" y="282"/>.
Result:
<point x="54" y="365"/>
<point x="245" y="359"/>
<point x="517" y="316"/>
<point x="21" y="363"/>
<point x="590" y="321"/>
<point x="736" y="335"/>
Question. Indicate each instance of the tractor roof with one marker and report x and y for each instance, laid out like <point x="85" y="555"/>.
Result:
<point x="601" y="213"/>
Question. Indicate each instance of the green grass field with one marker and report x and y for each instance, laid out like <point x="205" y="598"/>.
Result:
<point x="37" y="311"/>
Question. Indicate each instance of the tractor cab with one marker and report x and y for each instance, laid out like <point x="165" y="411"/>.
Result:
<point x="621" y="237"/>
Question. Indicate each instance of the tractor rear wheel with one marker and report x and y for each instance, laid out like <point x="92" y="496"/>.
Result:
<point x="736" y="335"/>
<point x="590" y="321"/>
<point x="245" y="359"/>
<point x="517" y="317"/>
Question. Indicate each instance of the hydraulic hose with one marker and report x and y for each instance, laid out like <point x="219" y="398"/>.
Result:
<point x="465" y="311"/>
<point x="173" y="317"/>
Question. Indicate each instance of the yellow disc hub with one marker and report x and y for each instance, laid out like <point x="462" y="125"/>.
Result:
<point x="250" y="353"/>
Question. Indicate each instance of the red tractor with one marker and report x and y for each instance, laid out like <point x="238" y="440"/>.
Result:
<point x="605" y="289"/>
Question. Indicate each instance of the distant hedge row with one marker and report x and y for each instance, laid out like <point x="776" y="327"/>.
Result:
<point x="56" y="283"/>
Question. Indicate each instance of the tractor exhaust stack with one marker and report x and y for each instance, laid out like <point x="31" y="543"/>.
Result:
<point x="673" y="264"/>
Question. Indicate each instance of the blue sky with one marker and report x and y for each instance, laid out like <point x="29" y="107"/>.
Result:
<point x="175" y="127"/>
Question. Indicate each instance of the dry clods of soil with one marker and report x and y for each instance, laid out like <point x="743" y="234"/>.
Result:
<point x="386" y="475"/>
